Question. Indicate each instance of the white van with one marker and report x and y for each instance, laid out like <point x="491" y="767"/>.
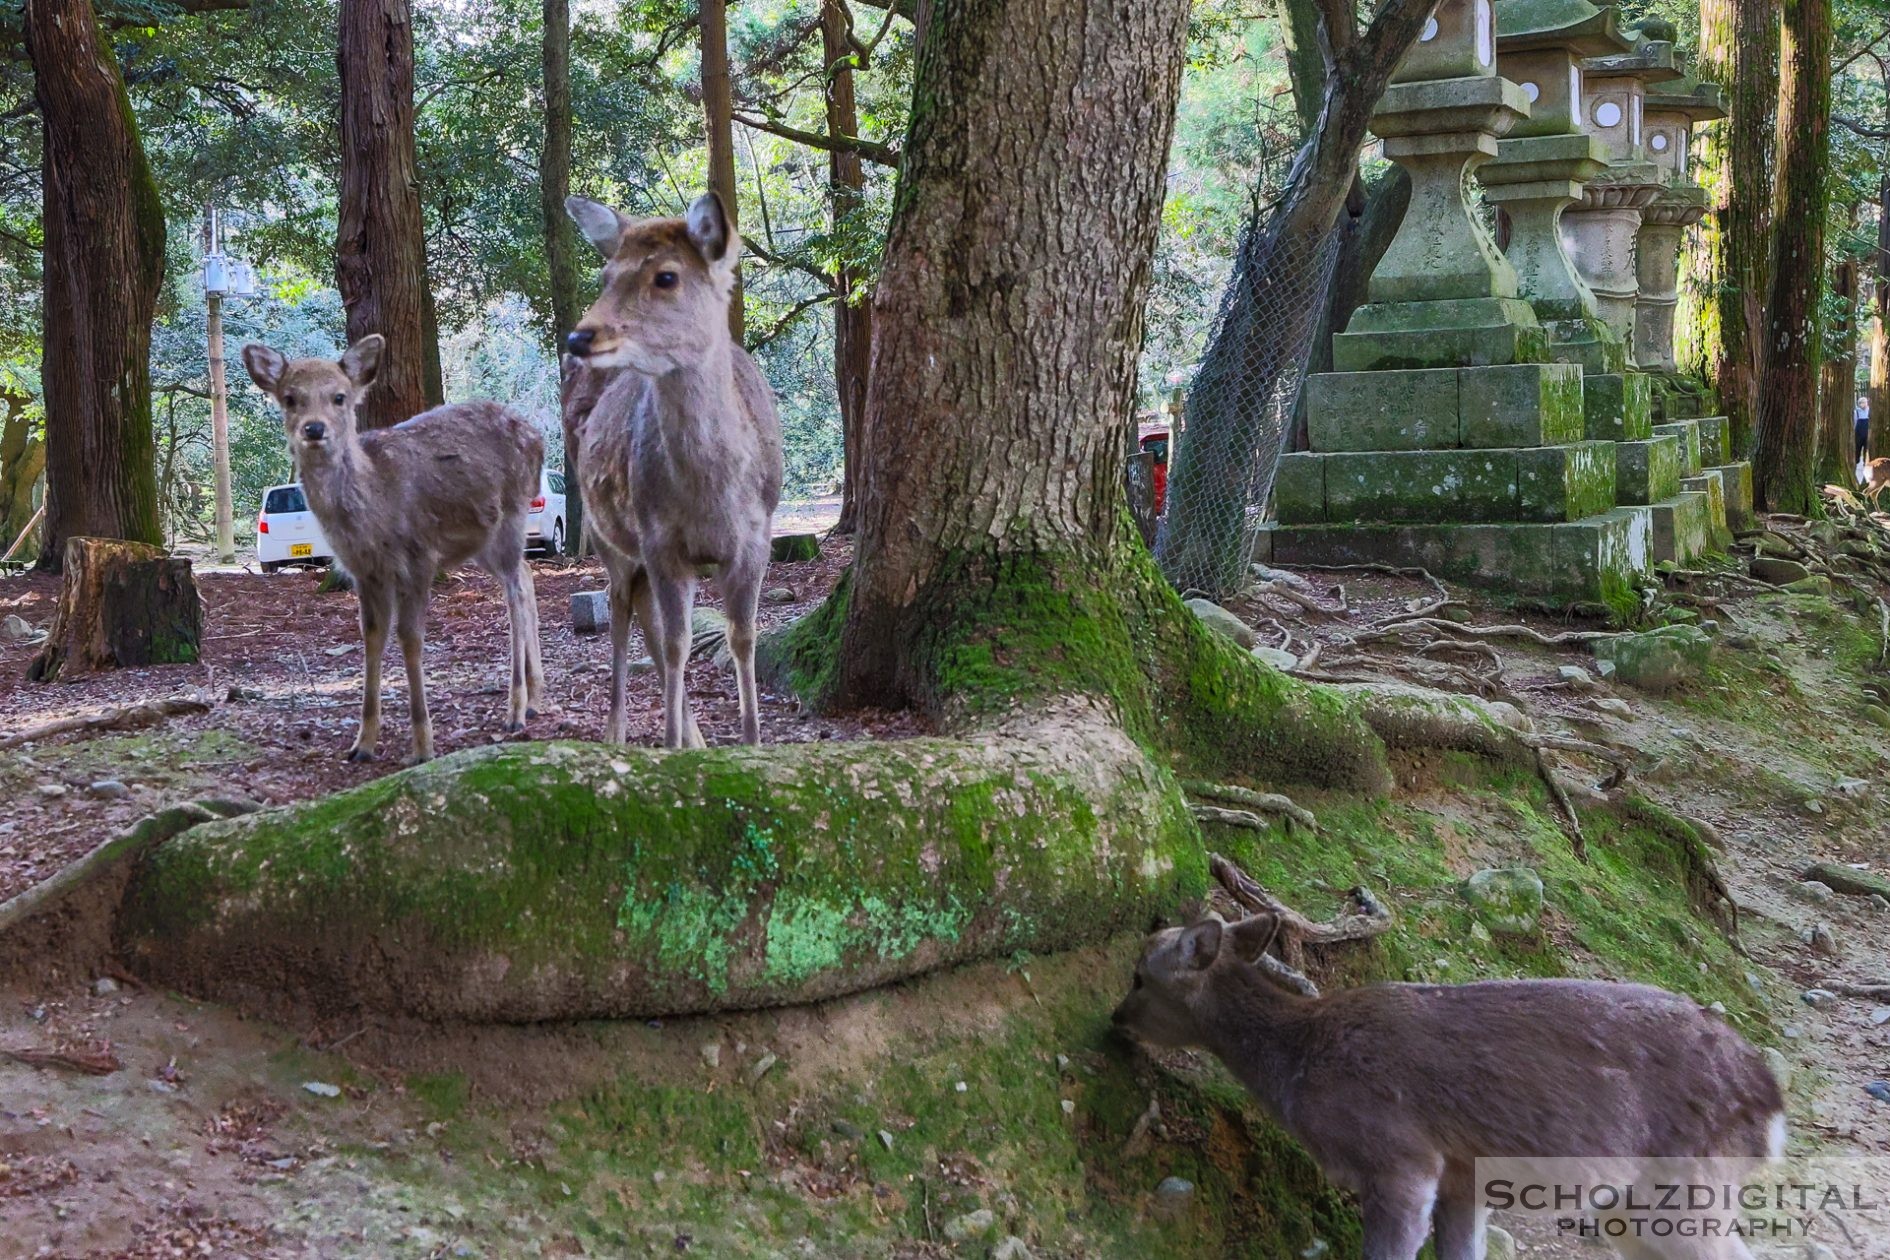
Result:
<point x="287" y="532"/>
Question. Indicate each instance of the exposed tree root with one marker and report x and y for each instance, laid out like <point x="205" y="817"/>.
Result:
<point x="1371" y="917"/>
<point x="94" y="1062"/>
<point x="1873" y="992"/>
<point x="1529" y="633"/>
<point x="129" y="718"/>
<point x="1264" y="802"/>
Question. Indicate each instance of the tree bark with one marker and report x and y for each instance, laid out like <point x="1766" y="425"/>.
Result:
<point x="1880" y="304"/>
<point x="561" y="248"/>
<point x="1785" y="460"/>
<point x="1837" y="390"/>
<point x="103" y="262"/>
<point x="122" y="604"/>
<point x="718" y="108"/>
<point x="381" y="247"/>
<point x="1739" y="43"/>
<point x="998" y="415"/>
<point x="853" y="313"/>
<point x="22" y="460"/>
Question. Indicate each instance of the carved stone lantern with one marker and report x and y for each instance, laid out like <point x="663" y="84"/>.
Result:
<point x="1672" y="110"/>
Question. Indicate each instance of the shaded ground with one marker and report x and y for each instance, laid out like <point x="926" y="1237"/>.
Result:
<point x="873" y="1125"/>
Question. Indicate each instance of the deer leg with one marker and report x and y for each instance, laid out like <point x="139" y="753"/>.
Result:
<point x="625" y="591"/>
<point x="374" y="618"/>
<point x="412" y="628"/>
<point x="741" y="595"/>
<point x="1397" y="1216"/>
<point x="534" y="649"/>
<point x="1460" y="1220"/>
<point x="674" y="598"/>
<point x="516" y="702"/>
<point x="645" y="604"/>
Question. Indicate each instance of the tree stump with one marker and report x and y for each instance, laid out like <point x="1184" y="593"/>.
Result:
<point x="123" y="604"/>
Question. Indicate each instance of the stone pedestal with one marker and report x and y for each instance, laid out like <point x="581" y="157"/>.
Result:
<point x="1600" y="232"/>
<point x="1657" y="271"/>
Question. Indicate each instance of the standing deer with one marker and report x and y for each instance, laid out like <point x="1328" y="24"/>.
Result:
<point x="679" y="452"/>
<point x="1397" y="1090"/>
<point x="399" y="505"/>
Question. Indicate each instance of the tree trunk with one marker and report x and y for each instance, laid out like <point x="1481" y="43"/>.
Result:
<point x="718" y="108"/>
<point x="381" y="247"/>
<point x="1880" y="327"/>
<point x="122" y="604"/>
<point x="103" y="264"/>
<point x="561" y="249"/>
<point x="1837" y="392"/>
<point x="852" y="314"/>
<point x="22" y="460"/>
<point x="1738" y="48"/>
<point x="1785" y="460"/>
<point x="998" y="415"/>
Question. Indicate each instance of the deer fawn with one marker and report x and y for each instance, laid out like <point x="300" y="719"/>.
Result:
<point x="1396" y="1090"/>
<point x="399" y="505"/>
<point x="680" y="451"/>
<point x="1876" y="477"/>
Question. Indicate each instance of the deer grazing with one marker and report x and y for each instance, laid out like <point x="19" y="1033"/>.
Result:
<point x="679" y="447"/>
<point x="400" y="505"/>
<point x="1396" y="1090"/>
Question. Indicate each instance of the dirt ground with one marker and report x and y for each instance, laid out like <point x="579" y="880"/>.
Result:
<point x="212" y="1135"/>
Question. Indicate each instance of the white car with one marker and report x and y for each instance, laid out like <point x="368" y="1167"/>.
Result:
<point x="544" y="528"/>
<point x="287" y="532"/>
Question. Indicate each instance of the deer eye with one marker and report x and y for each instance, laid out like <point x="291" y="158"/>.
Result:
<point x="665" y="279"/>
<point x="291" y="400"/>
<point x="340" y="398"/>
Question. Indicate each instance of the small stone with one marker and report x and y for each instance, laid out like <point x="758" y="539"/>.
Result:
<point x="1063" y="1063"/>
<point x="1498" y="1245"/>
<point x="52" y="791"/>
<point x="1777" y="571"/>
<point x="1069" y="1106"/>
<point x="848" y="1130"/>
<point x="1454" y="612"/>
<point x="778" y="595"/>
<point x="1879" y="902"/>
<point x="1508" y="901"/>
<point x="712" y="1053"/>
<point x="1220" y="620"/>
<point x="1818" y="997"/>
<point x="1780" y="1065"/>
<point x="1818" y="1251"/>
<point x="1614" y="705"/>
<point x="322" y="1089"/>
<point x="340" y="649"/>
<point x="971" y="1225"/>
<point x="1577" y="677"/>
<point x="1880" y="1090"/>
<point x="1791" y="1032"/>
<point x="1011" y="1247"/>
<point x="15" y="627"/>
<point x="1816" y="891"/>
<point x="1481" y="935"/>
<point x="109" y="790"/>
<point x="1814" y="806"/>
<point x="1317" y="1249"/>
<point x="762" y="1065"/>
<point x="1754" y="983"/>
<point x="1852" y="788"/>
<point x="590" y="612"/>
<point x="1277" y="658"/>
<point x="1718" y="1008"/>
<point x="1854" y="880"/>
<point x="161" y="1087"/>
<point x="104" y="985"/>
<point x="1605" y="669"/>
<point x="885" y="1139"/>
<point x="1174" y="1194"/>
<point x="1880" y="1016"/>
<point x="960" y="1087"/>
<point x="1821" y="939"/>
<point x="1657" y="660"/>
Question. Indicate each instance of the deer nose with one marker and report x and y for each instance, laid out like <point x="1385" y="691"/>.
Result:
<point x="314" y="430"/>
<point x="579" y="342"/>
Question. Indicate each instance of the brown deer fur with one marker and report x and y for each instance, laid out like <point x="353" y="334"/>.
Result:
<point x="399" y="505"/>
<point x="680" y="449"/>
<point x="1396" y="1090"/>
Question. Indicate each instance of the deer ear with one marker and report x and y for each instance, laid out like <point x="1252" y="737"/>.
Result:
<point x="363" y="360"/>
<point x="1201" y="944"/>
<point x="265" y="366"/>
<point x="710" y="230"/>
<point x="1253" y="936"/>
<point x="602" y="226"/>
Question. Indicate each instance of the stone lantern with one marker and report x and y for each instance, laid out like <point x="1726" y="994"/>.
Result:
<point x="1672" y="110"/>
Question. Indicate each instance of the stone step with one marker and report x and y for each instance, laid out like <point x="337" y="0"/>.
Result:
<point x="1715" y="440"/>
<point x="1543" y="483"/>
<point x="1713" y="486"/>
<point x="1683" y="528"/>
<point x="1523" y="404"/>
<point x="1597" y="559"/>
<point x="1617" y="406"/>
<point x="1688" y="431"/>
<point x="1647" y="471"/>
<point x="1736" y="482"/>
<point x="1459" y="332"/>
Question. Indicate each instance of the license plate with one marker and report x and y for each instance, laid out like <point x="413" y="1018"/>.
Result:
<point x="298" y="550"/>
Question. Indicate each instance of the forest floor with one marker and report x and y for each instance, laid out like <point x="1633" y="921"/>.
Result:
<point x="934" y="1118"/>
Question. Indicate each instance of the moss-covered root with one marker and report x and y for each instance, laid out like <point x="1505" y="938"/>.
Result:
<point x="1417" y="718"/>
<point x="561" y="881"/>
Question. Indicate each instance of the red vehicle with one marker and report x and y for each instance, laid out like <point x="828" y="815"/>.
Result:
<point x="1154" y="440"/>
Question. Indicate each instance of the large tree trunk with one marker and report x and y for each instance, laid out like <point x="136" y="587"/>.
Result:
<point x="998" y="415"/>
<point x="1785" y="460"/>
<point x="718" y="109"/>
<point x="104" y="265"/>
<point x="561" y="249"/>
<point x="22" y="460"/>
<point x="1880" y="305"/>
<point x="1837" y="390"/>
<point x="381" y="247"/>
<point x="1739" y="49"/>
<point x="852" y="314"/>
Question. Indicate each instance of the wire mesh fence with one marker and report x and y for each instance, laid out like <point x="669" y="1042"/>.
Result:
<point x="1239" y="412"/>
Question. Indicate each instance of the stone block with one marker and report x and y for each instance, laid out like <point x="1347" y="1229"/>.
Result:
<point x="788" y="548"/>
<point x="1616" y="406"/>
<point x="1299" y="488"/>
<point x="590" y="611"/>
<point x="1564" y="483"/>
<point x="1464" y="332"/>
<point x="1421" y="486"/>
<point x="1710" y="484"/>
<point x="1647" y="471"/>
<point x="1588" y="342"/>
<point x="1410" y="410"/>
<point x="1682" y="529"/>
<point x="1736" y="484"/>
<point x="1715" y="440"/>
<point x="1688" y="431"/>
<point x="1522" y="404"/>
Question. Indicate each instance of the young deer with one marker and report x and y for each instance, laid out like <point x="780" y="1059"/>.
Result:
<point x="1396" y="1090"/>
<point x="1876" y="477"/>
<point x="399" y="505"/>
<point x="680" y="451"/>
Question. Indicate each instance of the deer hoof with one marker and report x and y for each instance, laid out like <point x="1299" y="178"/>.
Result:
<point x="530" y="713"/>
<point x="358" y="753"/>
<point x="513" y="728"/>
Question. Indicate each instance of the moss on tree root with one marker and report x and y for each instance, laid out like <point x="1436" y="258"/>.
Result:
<point x="542" y="881"/>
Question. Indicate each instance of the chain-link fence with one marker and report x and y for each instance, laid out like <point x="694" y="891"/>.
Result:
<point x="1239" y="413"/>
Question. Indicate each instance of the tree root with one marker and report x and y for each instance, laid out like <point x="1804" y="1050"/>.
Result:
<point x="1264" y="802"/>
<point x="129" y="718"/>
<point x="97" y="1062"/>
<point x="1564" y="639"/>
<point x="1371" y="917"/>
<point x="1871" y="992"/>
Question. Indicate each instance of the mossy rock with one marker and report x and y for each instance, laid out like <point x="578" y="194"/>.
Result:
<point x="790" y="548"/>
<point x="1658" y="660"/>
<point x="565" y="880"/>
<point x="1507" y="901"/>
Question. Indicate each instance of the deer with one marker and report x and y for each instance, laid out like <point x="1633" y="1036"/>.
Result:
<point x="401" y="505"/>
<point x="1396" y="1090"/>
<point x="1875" y="476"/>
<point x="679" y="445"/>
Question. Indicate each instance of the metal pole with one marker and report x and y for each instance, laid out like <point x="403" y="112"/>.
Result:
<point x="220" y="434"/>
